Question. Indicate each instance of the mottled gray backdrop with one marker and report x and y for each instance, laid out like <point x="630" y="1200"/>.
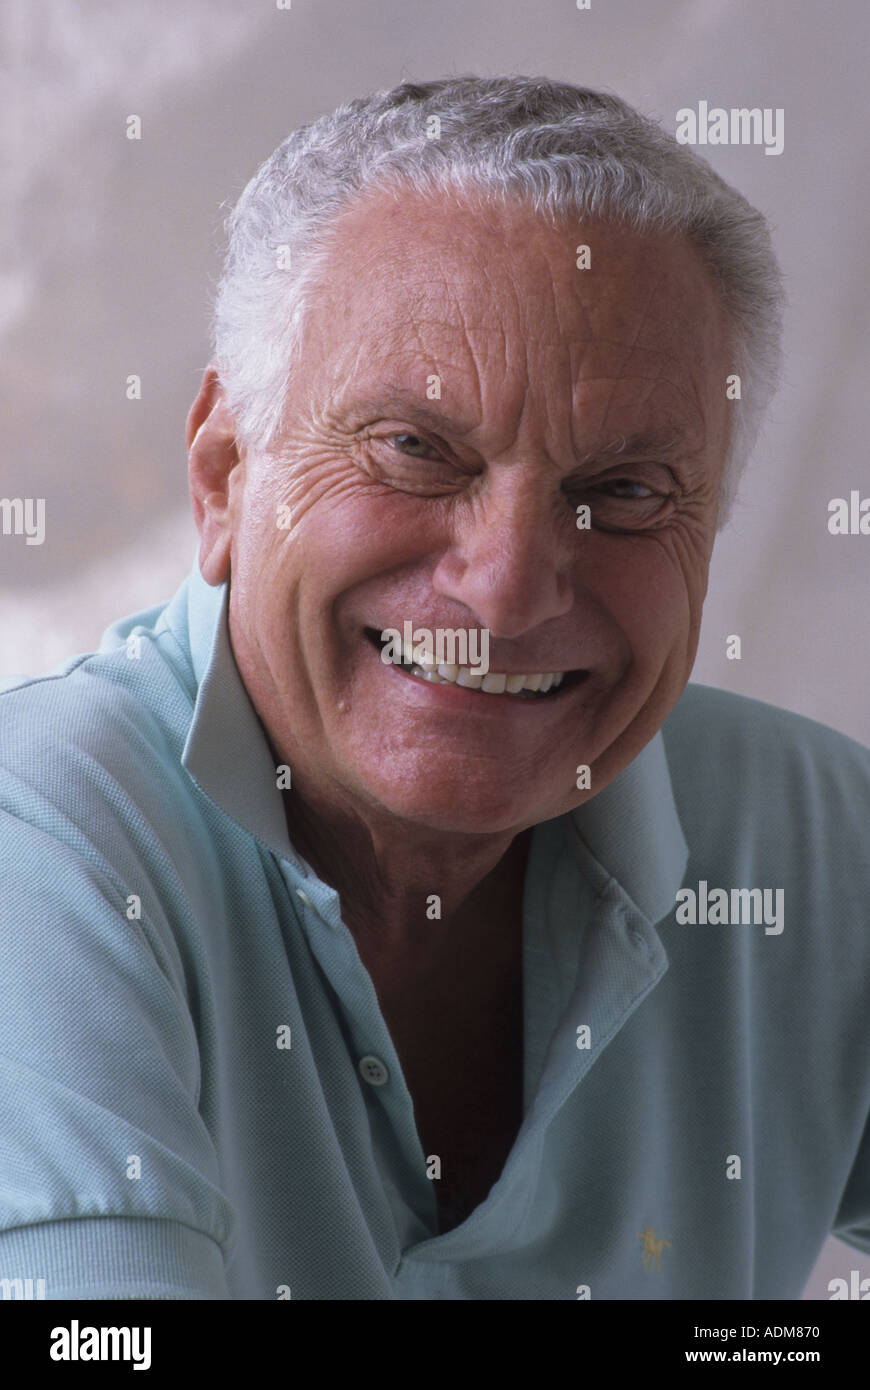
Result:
<point x="110" y="248"/>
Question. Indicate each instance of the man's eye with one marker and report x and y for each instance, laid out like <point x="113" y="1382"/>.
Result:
<point x="628" y="483"/>
<point x="412" y="444"/>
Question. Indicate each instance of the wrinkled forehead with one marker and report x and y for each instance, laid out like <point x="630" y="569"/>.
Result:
<point x="496" y="297"/>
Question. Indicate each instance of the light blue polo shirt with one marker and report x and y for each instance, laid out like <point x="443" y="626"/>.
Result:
<point x="183" y="1113"/>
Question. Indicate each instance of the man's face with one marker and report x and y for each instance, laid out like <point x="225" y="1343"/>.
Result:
<point x="461" y="511"/>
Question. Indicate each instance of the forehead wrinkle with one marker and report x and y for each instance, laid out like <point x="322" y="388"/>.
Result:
<point x="692" y="386"/>
<point x="669" y="286"/>
<point x="518" y="325"/>
<point x="486" y="348"/>
<point x="458" y="361"/>
<point x="662" y="365"/>
<point x="495" y="306"/>
<point x="644" y="315"/>
<point x="687" y="429"/>
<point x="427" y="308"/>
<point x="393" y="377"/>
<point x="441" y="312"/>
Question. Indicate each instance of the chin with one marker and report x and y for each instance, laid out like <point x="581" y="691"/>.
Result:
<point x="455" y="808"/>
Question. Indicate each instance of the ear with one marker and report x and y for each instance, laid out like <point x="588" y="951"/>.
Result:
<point x="211" y="457"/>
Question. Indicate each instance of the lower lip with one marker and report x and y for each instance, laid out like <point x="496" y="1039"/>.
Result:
<point x="460" y="697"/>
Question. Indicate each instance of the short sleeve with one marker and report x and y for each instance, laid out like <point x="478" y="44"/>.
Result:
<point x="109" y="1182"/>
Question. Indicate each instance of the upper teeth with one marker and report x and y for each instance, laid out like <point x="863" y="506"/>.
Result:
<point x="493" y="683"/>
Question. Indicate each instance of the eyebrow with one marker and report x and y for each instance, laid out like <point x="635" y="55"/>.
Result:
<point x="407" y="404"/>
<point x="661" y="444"/>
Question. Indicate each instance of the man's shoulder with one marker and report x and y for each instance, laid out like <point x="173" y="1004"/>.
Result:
<point x="708" y="717"/>
<point x="728" y="749"/>
<point x="95" y="802"/>
<point x="96" y="725"/>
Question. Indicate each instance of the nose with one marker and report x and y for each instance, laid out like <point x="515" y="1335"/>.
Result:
<point x="511" y="558"/>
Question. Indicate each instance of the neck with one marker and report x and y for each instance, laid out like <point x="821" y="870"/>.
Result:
<point x="402" y="884"/>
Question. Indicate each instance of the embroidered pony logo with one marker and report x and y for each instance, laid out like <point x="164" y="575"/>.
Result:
<point x="652" y="1248"/>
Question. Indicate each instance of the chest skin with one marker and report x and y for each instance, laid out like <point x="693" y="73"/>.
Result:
<point x="461" y="1053"/>
<point x="455" y="1016"/>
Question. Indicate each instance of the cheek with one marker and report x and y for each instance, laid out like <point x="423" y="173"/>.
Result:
<point x="339" y="506"/>
<point x="343" y="557"/>
<point x="649" y="592"/>
<point x="375" y="537"/>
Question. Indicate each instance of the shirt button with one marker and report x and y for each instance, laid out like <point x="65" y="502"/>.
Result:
<point x="303" y="897"/>
<point x="372" y="1070"/>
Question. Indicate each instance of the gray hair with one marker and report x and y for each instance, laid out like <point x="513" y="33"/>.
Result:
<point x="564" y="150"/>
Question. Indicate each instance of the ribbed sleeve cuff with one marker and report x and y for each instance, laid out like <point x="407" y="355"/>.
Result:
<point x="112" y="1257"/>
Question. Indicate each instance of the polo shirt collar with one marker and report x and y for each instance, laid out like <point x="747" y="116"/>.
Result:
<point x="632" y="832"/>
<point x="227" y="753"/>
<point x="629" y="833"/>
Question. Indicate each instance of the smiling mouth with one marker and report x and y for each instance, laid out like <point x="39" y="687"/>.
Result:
<point x="535" y="685"/>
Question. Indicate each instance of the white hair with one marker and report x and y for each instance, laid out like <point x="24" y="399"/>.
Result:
<point x="564" y="150"/>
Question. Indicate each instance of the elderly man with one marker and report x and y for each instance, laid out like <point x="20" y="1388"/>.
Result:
<point x="384" y="916"/>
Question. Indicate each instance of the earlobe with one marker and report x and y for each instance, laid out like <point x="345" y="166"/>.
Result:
<point x="212" y="456"/>
<point x="215" y="547"/>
